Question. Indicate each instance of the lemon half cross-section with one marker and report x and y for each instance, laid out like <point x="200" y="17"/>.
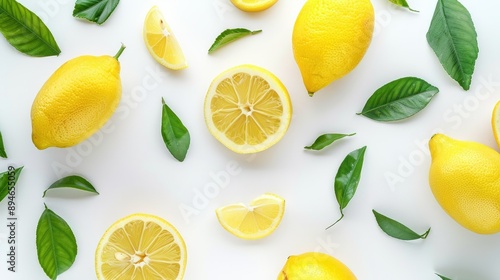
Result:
<point x="495" y="122"/>
<point x="254" y="221"/>
<point x="247" y="109"/>
<point x="140" y="247"/>
<point x="161" y="41"/>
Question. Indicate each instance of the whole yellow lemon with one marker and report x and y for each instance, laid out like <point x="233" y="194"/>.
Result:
<point x="329" y="39"/>
<point x="465" y="179"/>
<point x="76" y="101"/>
<point x="315" y="266"/>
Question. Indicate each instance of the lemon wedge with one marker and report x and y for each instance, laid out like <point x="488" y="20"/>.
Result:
<point x="253" y="5"/>
<point x="141" y="246"/>
<point x="247" y="109"/>
<point x="257" y="220"/>
<point x="161" y="41"/>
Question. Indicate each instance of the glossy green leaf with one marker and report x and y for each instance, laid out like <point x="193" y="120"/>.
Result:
<point x="55" y="244"/>
<point x="25" y="31"/>
<point x="75" y="182"/>
<point x="326" y="140"/>
<point x="174" y="133"/>
<point x="230" y="35"/>
<point x="347" y="179"/>
<point x="2" y="148"/>
<point x="442" y="277"/>
<point x="396" y="229"/>
<point x="6" y="182"/>
<point x="404" y="4"/>
<point x="453" y="38"/>
<point x="399" y="99"/>
<point x="97" y="11"/>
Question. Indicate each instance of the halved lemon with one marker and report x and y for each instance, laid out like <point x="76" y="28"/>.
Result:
<point x="257" y="220"/>
<point x="161" y="41"/>
<point x="141" y="246"/>
<point x="247" y="109"/>
<point x="253" y="5"/>
<point x="495" y="122"/>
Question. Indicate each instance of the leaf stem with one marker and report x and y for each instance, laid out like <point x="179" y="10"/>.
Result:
<point x="424" y="236"/>
<point x="342" y="216"/>
<point x="122" y="48"/>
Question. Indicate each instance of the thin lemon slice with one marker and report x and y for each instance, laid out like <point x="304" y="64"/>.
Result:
<point x="257" y="220"/>
<point x="247" y="109"/>
<point x="141" y="246"/>
<point x="495" y="122"/>
<point x="253" y="5"/>
<point x="161" y="41"/>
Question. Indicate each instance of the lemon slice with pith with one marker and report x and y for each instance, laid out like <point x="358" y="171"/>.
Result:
<point x="247" y="109"/>
<point x="141" y="246"/>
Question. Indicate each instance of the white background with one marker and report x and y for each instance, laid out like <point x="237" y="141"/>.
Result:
<point x="130" y="166"/>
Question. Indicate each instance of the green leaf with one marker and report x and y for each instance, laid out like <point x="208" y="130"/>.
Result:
<point x="6" y="182"/>
<point x="55" y="244"/>
<point x="443" y="278"/>
<point x="396" y="229"/>
<point x="2" y="148"/>
<point x="399" y="99"/>
<point x="174" y="133"/>
<point x="325" y="140"/>
<point x="97" y="11"/>
<point x="347" y="179"/>
<point x="453" y="38"/>
<point x="230" y="35"/>
<point x="75" y="182"/>
<point x="404" y="4"/>
<point x="25" y="31"/>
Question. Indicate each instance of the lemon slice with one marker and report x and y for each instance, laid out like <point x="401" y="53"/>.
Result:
<point x="253" y="5"/>
<point x="247" y="109"/>
<point x="495" y="122"/>
<point x="161" y="41"/>
<point x="141" y="246"/>
<point x="257" y="220"/>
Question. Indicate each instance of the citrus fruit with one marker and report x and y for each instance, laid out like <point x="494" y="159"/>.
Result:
<point x="253" y="5"/>
<point x="247" y="109"/>
<point x="76" y="101"/>
<point x="465" y="180"/>
<point x="141" y="246"/>
<point x="329" y="39"/>
<point x="495" y="123"/>
<point x="254" y="221"/>
<point x="315" y="266"/>
<point x="161" y="41"/>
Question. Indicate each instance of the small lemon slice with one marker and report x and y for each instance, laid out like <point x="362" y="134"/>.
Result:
<point x="161" y="41"/>
<point x="257" y="220"/>
<point x="495" y="122"/>
<point x="253" y="5"/>
<point x="141" y="246"/>
<point x="247" y="109"/>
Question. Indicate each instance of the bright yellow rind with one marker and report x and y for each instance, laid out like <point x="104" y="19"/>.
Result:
<point x="76" y="101"/>
<point x="161" y="41"/>
<point x="465" y="179"/>
<point x="315" y="266"/>
<point x="139" y="247"/>
<point x="247" y="109"/>
<point x="257" y="220"/>
<point x="329" y="39"/>
<point x="495" y="123"/>
<point x="253" y="5"/>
